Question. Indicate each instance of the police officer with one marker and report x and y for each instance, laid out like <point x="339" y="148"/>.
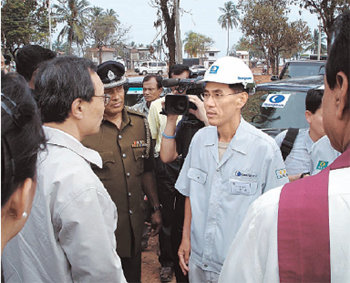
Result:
<point x="124" y="143"/>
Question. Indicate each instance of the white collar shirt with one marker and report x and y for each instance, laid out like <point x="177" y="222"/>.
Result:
<point x="141" y="107"/>
<point x="253" y="255"/>
<point x="69" y="235"/>
<point x="221" y="191"/>
<point x="299" y="159"/>
<point x="322" y="155"/>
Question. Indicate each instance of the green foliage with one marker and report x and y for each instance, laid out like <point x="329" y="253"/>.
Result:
<point x="326" y="11"/>
<point x="75" y="16"/>
<point x="228" y="19"/>
<point x="265" y="23"/>
<point x="196" y="44"/>
<point x="313" y="43"/>
<point x="103" y="25"/>
<point x="24" y="22"/>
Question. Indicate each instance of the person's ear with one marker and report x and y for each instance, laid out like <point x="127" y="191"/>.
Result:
<point x="308" y="116"/>
<point x="77" y="108"/>
<point x="342" y="99"/>
<point x="20" y="202"/>
<point x="242" y="98"/>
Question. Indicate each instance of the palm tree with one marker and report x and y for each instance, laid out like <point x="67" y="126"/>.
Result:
<point x="313" y="45"/>
<point x="228" y="19"/>
<point x="74" y="13"/>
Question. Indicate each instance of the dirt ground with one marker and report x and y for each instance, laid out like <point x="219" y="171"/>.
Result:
<point x="150" y="263"/>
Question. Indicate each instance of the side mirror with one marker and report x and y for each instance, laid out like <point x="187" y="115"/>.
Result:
<point x="275" y="78"/>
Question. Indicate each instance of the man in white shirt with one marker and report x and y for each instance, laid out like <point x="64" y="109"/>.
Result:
<point x="299" y="233"/>
<point x="69" y="236"/>
<point x="152" y="90"/>
<point x="228" y="166"/>
<point x="298" y="161"/>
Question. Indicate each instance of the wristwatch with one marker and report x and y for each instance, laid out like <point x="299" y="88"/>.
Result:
<point x="156" y="207"/>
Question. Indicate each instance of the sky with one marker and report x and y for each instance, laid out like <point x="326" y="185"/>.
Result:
<point x="200" y="16"/>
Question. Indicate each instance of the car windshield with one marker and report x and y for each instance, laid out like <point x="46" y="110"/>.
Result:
<point x="276" y="110"/>
<point x="303" y="70"/>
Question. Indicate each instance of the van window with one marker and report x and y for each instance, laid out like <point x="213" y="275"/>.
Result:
<point x="144" y="65"/>
<point x="162" y="64"/>
<point x="153" y="64"/>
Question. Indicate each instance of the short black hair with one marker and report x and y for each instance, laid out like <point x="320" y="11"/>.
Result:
<point x="178" y="69"/>
<point x="22" y="136"/>
<point x="313" y="100"/>
<point x="29" y="57"/>
<point x="339" y="54"/>
<point x="59" y="82"/>
<point x="157" y="78"/>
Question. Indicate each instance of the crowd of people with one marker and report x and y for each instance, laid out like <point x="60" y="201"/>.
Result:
<point x="229" y="202"/>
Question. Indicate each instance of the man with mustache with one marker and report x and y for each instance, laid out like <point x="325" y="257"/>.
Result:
<point x="124" y="143"/>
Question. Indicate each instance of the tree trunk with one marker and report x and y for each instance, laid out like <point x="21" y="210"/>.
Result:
<point x="170" y="31"/>
<point x="228" y="40"/>
<point x="178" y="32"/>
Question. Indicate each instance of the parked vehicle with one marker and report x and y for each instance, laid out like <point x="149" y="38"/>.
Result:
<point x="198" y="70"/>
<point x="302" y="68"/>
<point x="279" y="105"/>
<point x="153" y="67"/>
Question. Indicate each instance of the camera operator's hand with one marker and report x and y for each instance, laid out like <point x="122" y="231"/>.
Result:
<point x="172" y="118"/>
<point x="200" y="112"/>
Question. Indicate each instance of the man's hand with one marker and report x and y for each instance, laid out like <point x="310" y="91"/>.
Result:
<point x="184" y="254"/>
<point x="200" y="113"/>
<point x="156" y="224"/>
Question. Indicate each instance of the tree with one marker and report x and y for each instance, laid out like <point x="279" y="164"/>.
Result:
<point x="228" y="19"/>
<point x="196" y="44"/>
<point x="313" y="44"/>
<point x="75" y="15"/>
<point x="103" y="25"/>
<point x="166" y="12"/>
<point x="265" y="23"/>
<point x="23" y="22"/>
<point x="326" y="10"/>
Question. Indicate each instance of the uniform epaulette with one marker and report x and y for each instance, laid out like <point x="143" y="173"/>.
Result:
<point x="132" y="111"/>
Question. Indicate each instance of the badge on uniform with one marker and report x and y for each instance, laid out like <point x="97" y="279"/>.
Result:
<point x="281" y="173"/>
<point x="140" y="143"/>
<point x="321" y="165"/>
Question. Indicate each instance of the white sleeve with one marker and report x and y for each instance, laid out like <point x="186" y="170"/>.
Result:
<point x="88" y="241"/>
<point x="276" y="173"/>
<point x="252" y="256"/>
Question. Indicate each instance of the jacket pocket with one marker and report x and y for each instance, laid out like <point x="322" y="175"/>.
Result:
<point x="139" y="155"/>
<point x="197" y="175"/>
<point x="238" y="187"/>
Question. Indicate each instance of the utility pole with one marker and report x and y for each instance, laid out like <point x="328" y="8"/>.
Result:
<point x="178" y="32"/>
<point x="50" y="40"/>
<point x="319" y="40"/>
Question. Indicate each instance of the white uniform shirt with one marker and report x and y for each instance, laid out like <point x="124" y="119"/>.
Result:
<point x="253" y="255"/>
<point x="322" y="155"/>
<point x="220" y="192"/>
<point x="299" y="159"/>
<point x="69" y="236"/>
<point x="141" y="107"/>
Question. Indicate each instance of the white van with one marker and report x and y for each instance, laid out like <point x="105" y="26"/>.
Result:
<point x="153" y="67"/>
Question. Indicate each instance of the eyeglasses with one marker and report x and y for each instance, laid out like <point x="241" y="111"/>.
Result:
<point x="106" y="98"/>
<point x="217" y="96"/>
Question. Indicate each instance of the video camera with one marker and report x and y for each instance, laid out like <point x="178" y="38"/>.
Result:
<point x="179" y="104"/>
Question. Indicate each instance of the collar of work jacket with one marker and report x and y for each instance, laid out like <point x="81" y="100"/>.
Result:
<point x="63" y="139"/>
<point x="237" y="143"/>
